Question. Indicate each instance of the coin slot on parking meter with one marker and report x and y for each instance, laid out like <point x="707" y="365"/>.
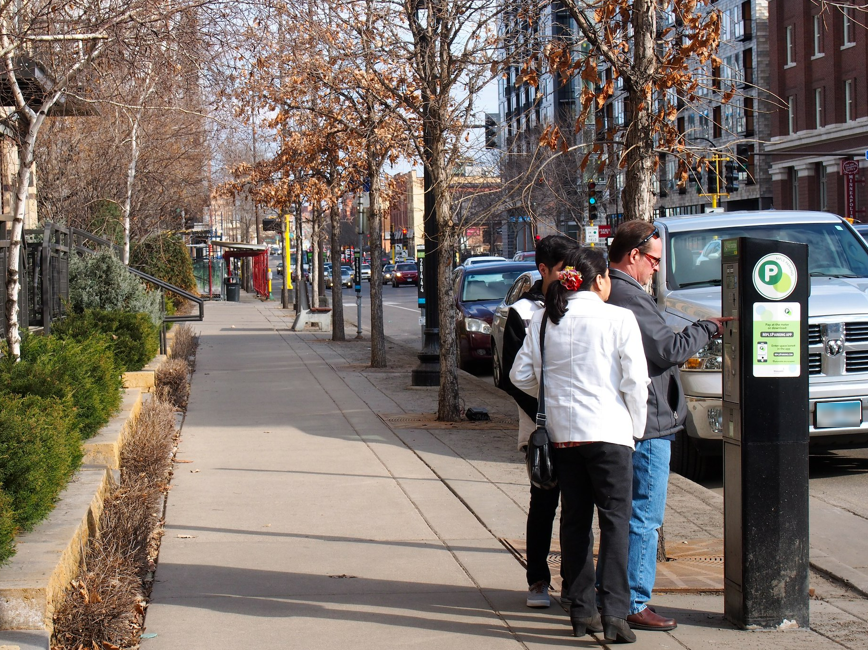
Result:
<point x="765" y="287"/>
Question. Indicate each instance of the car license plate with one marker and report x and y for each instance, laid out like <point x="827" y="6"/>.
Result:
<point x="837" y="414"/>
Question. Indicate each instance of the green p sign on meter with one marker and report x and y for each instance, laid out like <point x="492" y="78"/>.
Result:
<point x="776" y="325"/>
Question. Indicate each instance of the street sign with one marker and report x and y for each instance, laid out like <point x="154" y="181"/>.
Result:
<point x="849" y="166"/>
<point x="866" y="155"/>
<point x="849" y="169"/>
<point x="604" y="231"/>
<point x="592" y="234"/>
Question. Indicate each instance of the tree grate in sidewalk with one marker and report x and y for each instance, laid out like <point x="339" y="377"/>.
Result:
<point x="429" y="421"/>
<point x="693" y="566"/>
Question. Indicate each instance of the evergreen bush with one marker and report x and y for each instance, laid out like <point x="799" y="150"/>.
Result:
<point x="39" y="451"/>
<point x="81" y="373"/>
<point x="7" y="527"/>
<point x="102" y="281"/>
<point x="133" y="338"/>
<point x="165" y="256"/>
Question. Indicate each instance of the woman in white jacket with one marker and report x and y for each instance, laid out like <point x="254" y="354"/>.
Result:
<point x="596" y="388"/>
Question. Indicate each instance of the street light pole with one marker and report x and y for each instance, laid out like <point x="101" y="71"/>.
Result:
<point x="357" y="271"/>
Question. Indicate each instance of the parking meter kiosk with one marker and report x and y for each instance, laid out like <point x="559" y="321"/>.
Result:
<point x="765" y="287"/>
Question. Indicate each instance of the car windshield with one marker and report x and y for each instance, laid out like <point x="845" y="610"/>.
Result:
<point x="833" y="251"/>
<point x="388" y="267"/>
<point x="346" y="272"/>
<point x="405" y="267"/>
<point x="488" y="284"/>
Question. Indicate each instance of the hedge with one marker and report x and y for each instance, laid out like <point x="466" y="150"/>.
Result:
<point x="40" y="450"/>
<point x="133" y="338"/>
<point x="165" y="256"/>
<point x="82" y="373"/>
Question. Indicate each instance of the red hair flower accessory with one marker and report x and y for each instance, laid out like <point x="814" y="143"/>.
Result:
<point x="570" y="278"/>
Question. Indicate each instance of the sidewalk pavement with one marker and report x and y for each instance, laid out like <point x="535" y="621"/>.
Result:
<point x="300" y="518"/>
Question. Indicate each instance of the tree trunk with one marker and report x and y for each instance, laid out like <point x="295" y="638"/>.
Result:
<point x="378" y="334"/>
<point x="338" y="333"/>
<point x="448" y="407"/>
<point x="16" y="236"/>
<point x="641" y="161"/>
<point x="131" y="179"/>
<point x="661" y="545"/>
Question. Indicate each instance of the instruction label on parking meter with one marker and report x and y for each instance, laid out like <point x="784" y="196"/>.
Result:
<point x="776" y="339"/>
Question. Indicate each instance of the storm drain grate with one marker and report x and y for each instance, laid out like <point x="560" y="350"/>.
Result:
<point x="690" y="569"/>
<point x="429" y="421"/>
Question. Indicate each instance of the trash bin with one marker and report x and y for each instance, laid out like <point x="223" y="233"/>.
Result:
<point x="233" y="289"/>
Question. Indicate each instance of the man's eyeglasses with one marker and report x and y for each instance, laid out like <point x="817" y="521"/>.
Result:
<point x="655" y="261"/>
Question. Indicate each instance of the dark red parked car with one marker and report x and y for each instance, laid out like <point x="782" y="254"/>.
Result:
<point x="478" y="292"/>
<point x="405" y="273"/>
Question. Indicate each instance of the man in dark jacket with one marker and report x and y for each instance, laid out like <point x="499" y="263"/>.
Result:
<point x="550" y="253"/>
<point x="633" y="258"/>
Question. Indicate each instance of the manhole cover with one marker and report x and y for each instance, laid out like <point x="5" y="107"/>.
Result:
<point x="429" y="421"/>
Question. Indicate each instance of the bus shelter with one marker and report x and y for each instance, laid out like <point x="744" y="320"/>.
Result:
<point x="258" y="255"/>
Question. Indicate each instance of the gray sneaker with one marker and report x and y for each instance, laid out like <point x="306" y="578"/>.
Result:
<point x="538" y="595"/>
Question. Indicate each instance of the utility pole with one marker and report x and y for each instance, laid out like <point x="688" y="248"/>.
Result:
<point x="287" y="280"/>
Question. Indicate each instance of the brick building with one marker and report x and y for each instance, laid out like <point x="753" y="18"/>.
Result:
<point x="818" y="70"/>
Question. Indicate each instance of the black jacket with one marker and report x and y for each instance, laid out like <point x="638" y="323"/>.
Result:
<point x="513" y="337"/>
<point x="665" y="350"/>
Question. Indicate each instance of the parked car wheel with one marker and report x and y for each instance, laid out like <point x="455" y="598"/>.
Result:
<point x="687" y="460"/>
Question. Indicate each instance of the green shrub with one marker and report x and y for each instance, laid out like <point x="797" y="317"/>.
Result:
<point x="7" y="527"/>
<point x="133" y="338"/>
<point x="165" y="256"/>
<point x="102" y="281"/>
<point x="39" y="451"/>
<point x="83" y="374"/>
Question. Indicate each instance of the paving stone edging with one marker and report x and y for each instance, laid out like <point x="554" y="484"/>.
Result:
<point x="48" y="558"/>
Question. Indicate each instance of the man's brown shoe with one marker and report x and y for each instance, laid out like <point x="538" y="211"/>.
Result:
<point x="648" y="620"/>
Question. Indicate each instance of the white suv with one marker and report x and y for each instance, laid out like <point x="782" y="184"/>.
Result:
<point x="687" y="288"/>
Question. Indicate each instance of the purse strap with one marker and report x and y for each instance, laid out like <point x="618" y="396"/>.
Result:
<point x="541" y="399"/>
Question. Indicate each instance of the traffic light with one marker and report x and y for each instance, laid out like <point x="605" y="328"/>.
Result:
<point x="490" y="132"/>
<point x="730" y="176"/>
<point x="592" y="201"/>
<point x="714" y="185"/>
<point x="696" y="175"/>
<point x="271" y="224"/>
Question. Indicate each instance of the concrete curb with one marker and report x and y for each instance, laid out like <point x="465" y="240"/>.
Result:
<point x="104" y="449"/>
<point x="48" y="558"/>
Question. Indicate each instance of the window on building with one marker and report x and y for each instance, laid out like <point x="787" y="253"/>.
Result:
<point x="748" y="116"/>
<point x="791" y="114"/>
<point x="818" y="35"/>
<point x="849" y="100"/>
<point x="716" y="127"/>
<point x="849" y="26"/>
<point x="619" y="111"/>
<point x="818" y="108"/>
<point x="747" y="65"/>
<point x="794" y="187"/>
<point x="822" y="187"/>
<point x="747" y="20"/>
<point x="791" y="45"/>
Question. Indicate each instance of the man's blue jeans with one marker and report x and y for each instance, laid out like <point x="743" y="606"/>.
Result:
<point x="650" y="482"/>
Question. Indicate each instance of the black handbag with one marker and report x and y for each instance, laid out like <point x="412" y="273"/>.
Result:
<point x="540" y="451"/>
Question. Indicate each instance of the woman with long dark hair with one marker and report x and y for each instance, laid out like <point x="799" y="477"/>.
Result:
<point x="596" y="387"/>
